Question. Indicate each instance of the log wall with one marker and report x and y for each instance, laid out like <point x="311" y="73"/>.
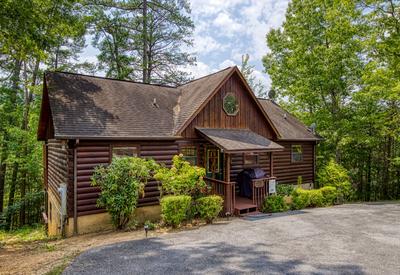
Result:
<point x="92" y="154"/>
<point x="57" y="166"/>
<point x="287" y="171"/>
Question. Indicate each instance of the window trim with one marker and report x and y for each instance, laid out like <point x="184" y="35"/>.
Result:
<point x="136" y="147"/>
<point x="196" y="157"/>
<point x="257" y="158"/>
<point x="218" y="160"/>
<point x="292" y="153"/>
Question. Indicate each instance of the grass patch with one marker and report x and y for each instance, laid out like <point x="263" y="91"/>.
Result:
<point x="24" y="234"/>
<point x="58" y="269"/>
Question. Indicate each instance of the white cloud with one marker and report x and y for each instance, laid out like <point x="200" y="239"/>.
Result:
<point x="226" y="24"/>
<point x="210" y="7"/>
<point x="199" y="70"/>
<point x="227" y="63"/>
<point x="206" y="44"/>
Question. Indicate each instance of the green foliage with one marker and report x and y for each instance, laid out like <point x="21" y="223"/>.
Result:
<point x="300" y="198"/>
<point x="284" y="189"/>
<point x="333" y="174"/>
<point x="330" y="194"/>
<point x="24" y="234"/>
<point x="182" y="178"/>
<point x="144" y="43"/>
<point x="316" y="199"/>
<point x="175" y="209"/>
<point x="248" y="72"/>
<point x="121" y="183"/>
<point x="275" y="203"/>
<point x="336" y="64"/>
<point x="209" y="207"/>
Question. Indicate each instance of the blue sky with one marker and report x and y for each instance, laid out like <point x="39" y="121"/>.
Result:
<point x="227" y="29"/>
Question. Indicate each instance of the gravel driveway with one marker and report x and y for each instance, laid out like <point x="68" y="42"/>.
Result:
<point x="347" y="239"/>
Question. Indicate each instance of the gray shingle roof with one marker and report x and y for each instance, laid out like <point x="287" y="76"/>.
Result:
<point x="85" y="106"/>
<point x="94" y="107"/>
<point x="234" y="140"/>
<point x="288" y="126"/>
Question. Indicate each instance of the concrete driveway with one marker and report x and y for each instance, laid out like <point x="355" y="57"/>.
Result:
<point x="347" y="239"/>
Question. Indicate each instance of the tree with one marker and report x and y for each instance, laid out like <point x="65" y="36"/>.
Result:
<point x="315" y="64"/>
<point x="248" y="73"/>
<point x="143" y="40"/>
<point x="34" y="31"/>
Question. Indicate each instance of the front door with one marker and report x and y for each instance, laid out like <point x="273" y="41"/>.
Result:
<point x="214" y="163"/>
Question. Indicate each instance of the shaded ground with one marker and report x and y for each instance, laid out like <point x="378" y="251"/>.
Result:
<point x="40" y="257"/>
<point x="347" y="239"/>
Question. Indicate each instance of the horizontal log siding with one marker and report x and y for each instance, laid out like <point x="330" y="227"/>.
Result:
<point x="287" y="171"/>
<point x="90" y="155"/>
<point x="57" y="165"/>
<point x="213" y="115"/>
<point x="162" y="153"/>
<point x="237" y="165"/>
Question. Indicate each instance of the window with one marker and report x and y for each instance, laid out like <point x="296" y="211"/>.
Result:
<point x="297" y="153"/>
<point x="250" y="159"/>
<point x="189" y="154"/>
<point x="124" y="151"/>
<point x="213" y="161"/>
<point x="230" y="104"/>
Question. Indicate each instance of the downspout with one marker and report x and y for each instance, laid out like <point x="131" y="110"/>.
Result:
<point x="75" y="189"/>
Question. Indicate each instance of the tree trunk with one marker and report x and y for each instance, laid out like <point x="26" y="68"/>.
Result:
<point x="15" y="79"/>
<point x="145" y="44"/>
<point x="11" y="194"/>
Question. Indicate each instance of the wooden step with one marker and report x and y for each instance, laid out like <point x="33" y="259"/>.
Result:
<point x="244" y="206"/>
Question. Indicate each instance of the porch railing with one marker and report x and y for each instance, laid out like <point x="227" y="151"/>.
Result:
<point x="225" y="190"/>
<point x="260" y="190"/>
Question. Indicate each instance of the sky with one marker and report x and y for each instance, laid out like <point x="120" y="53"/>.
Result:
<point x="227" y="29"/>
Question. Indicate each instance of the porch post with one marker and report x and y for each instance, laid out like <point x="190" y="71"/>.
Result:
<point x="227" y="165"/>
<point x="271" y="164"/>
<point x="229" y="193"/>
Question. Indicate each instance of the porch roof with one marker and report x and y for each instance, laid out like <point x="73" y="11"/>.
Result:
<point x="238" y="140"/>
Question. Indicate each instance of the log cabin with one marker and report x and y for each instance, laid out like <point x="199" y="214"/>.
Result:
<point x="216" y="122"/>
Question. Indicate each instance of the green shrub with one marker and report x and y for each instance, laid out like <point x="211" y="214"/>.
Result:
<point x="333" y="174"/>
<point x="284" y="189"/>
<point x="316" y="198"/>
<point x="273" y="204"/>
<point x="174" y="209"/>
<point x="330" y="194"/>
<point x="300" y="198"/>
<point x="121" y="183"/>
<point x="182" y="178"/>
<point x="209" y="207"/>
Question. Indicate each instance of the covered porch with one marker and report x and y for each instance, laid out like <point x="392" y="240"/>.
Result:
<point x="229" y="152"/>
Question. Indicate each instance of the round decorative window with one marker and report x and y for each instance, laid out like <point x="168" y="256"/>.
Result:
<point x="231" y="104"/>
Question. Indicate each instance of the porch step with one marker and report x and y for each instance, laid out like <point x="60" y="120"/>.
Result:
<point x="244" y="206"/>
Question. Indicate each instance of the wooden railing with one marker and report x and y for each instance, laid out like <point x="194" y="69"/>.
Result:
<point x="260" y="190"/>
<point x="225" y="190"/>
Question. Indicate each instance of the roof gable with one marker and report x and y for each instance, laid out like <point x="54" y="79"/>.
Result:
<point x="205" y="95"/>
<point x="288" y="126"/>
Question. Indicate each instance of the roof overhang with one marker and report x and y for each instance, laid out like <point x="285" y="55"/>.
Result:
<point x="119" y="137"/>
<point x="238" y="140"/>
